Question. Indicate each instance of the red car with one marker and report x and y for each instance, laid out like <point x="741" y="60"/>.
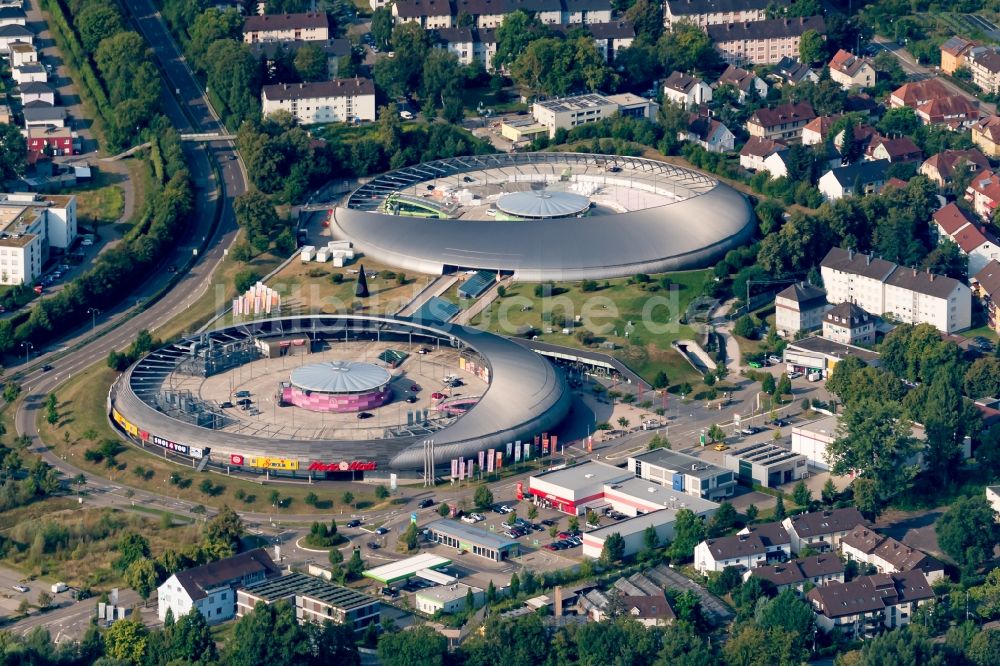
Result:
<point x="438" y="396"/>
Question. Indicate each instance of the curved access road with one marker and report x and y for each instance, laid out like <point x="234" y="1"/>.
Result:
<point x="199" y="252"/>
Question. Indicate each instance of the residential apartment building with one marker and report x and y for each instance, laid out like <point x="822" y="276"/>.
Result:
<point x="12" y="15"/>
<point x="868" y="605"/>
<point x="888" y="555"/>
<point x="953" y="53"/>
<point x="609" y="37"/>
<point x="211" y="588"/>
<point x="51" y="140"/>
<point x="986" y="135"/>
<point x="754" y="546"/>
<point x="31" y="225"/>
<point x="340" y="100"/>
<point x="850" y="71"/>
<point x="745" y="81"/>
<point x="314" y="600"/>
<point x="795" y="574"/>
<point x="978" y="244"/>
<point x="935" y="104"/>
<point x="984" y="63"/>
<point x="683" y="473"/>
<point x="762" y="42"/>
<point x="704" y="13"/>
<point x="307" y="26"/>
<point x="799" y="307"/>
<point x="915" y="93"/>
<point x="430" y="14"/>
<point x="986" y="285"/>
<point x="906" y="295"/>
<point x="848" y="324"/>
<point x="570" y="112"/>
<point x="821" y="530"/>
<point x="686" y="90"/>
<point x="781" y="123"/>
<point x="944" y="166"/>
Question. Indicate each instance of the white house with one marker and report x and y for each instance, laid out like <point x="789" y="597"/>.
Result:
<point x="979" y="245"/>
<point x="756" y="150"/>
<point x="888" y="555"/>
<point x="993" y="497"/>
<point x="686" y="90"/>
<point x="799" y="307"/>
<point x="754" y="546"/>
<point x="22" y="54"/>
<point x="776" y="164"/>
<point x="856" y="179"/>
<point x="745" y="81"/>
<point x="307" y="26"/>
<point x="708" y="133"/>
<point x="211" y="588"/>
<point x="13" y="34"/>
<point x="815" y="570"/>
<point x="35" y="91"/>
<point x="340" y="100"/>
<point x="29" y="73"/>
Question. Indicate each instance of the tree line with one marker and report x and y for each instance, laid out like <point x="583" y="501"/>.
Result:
<point x="166" y="213"/>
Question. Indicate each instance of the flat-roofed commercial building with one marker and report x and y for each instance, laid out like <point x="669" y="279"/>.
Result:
<point x="570" y="112"/>
<point x="473" y="540"/>
<point x="401" y="570"/>
<point x="572" y="489"/>
<point x="314" y="599"/>
<point x="633" y="530"/>
<point x="683" y="473"/>
<point x="767" y="464"/>
<point x="448" y="598"/>
<point x="817" y="354"/>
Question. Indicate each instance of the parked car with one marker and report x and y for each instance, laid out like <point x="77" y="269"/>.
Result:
<point x="755" y="364"/>
<point x="551" y="546"/>
<point x="794" y="374"/>
<point x="503" y="508"/>
<point x="775" y="360"/>
<point x="564" y="535"/>
<point x="720" y="447"/>
<point x="374" y="545"/>
<point x="354" y="523"/>
<point x="781" y="423"/>
<point x="468" y="519"/>
<point x="21" y="588"/>
<point x="411" y="399"/>
<point x="424" y="503"/>
<point x="437" y="395"/>
<point x="548" y="523"/>
<point x="390" y="592"/>
<point x="382" y="530"/>
<point x="364" y="415"/>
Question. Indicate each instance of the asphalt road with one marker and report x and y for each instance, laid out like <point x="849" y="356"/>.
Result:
<point x="202" y="248"/>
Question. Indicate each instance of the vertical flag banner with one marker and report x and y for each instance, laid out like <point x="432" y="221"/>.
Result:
<point x="499" y="461"/>
<point x="552" y="442"/>
<point x="545" y="445"/>
<point x="517" y="452"/>
<point x="509" y="447"/>
<point x="590" y="443"/>
<point x="461" y="469"/>
<point x="454" y="468"/>
<point x="482" y="454"/>
<point x="489" y="462"/>
<point x="537" y="440"/>
<point x="520" y="489"/>
<point x="471" y="468"/>
<point x="527" y="450"/>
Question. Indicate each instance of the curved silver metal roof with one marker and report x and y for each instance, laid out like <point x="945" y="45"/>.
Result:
<point x="692" y="232"/>
<point x="526" y="396"/>
<point x="543" y="204"/>
<point x="340" y="377"/>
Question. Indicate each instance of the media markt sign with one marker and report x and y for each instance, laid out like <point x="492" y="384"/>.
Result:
<point x="344" y="466"/>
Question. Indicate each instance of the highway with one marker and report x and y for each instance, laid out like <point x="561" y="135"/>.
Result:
<point x="196" y="257"/>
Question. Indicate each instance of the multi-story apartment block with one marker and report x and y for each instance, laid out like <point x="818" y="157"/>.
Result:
<point x="888" y="555"/>
<point x="489" y="14"/>
<point x="867" y="606"/>
<point x="984" y="63"/>
<point x="314" y="599"/>
<point x="986" y="285"/>
<point x="570" y="112"/>
<point x="586" y="11"/>
<point x="211" y="588"/>
<point x="340" y="100"/>
<point x="307" y="26"/>
<point x="30" y="225"/>
<point x="754" y="546"/>
<point x="799" y="307"/>
<point x="821" y="530"/>
<point x="704" y="13"/>
<point x="763" y="42"/>
<point x="794" y="575"/>
<point x="904" y="294"/>
<point x="430" y="14"/>
<point x="782" y="123"/>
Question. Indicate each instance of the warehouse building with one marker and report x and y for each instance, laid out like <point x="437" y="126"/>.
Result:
<point x="683" y="473"/>
<point x="448" y="598"/>
<point x="473" y="540"/>
<point x="767" y="464"/>
<point x="397" y="572"/>
<point x="576" y="488"/>
<point x="633" y="530"/>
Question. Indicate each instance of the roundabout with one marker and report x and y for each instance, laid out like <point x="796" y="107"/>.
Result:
<point x="226" y="399"/>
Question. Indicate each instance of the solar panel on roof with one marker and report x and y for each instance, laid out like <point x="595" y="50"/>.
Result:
<point x="436" y="310"/>
<point x="476" y="285"/>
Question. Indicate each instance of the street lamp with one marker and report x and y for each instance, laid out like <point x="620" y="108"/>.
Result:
<point x="93" y="312"/>
<point x="27" y="350"/>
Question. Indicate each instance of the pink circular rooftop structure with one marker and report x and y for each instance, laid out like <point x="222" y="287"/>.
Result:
<point x="338" y="386"/>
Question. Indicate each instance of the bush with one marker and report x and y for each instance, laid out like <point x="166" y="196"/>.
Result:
<point x="245" y="279"/>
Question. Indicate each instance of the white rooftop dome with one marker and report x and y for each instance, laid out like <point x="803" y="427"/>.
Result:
<point x="340" y="377"/>
<point x="543" y="204"/>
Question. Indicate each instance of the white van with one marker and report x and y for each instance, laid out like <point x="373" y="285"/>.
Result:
<point x="815" y="376"/>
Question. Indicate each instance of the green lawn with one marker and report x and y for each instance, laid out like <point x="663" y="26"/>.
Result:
<point x="984" y="331"/>
<point x="641" y="322"/>
<point x="101" y="201"/>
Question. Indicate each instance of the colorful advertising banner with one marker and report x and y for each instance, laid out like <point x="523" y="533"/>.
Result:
<point x="454" y="468"/>
<point x="517" y="452"/>
<point x="471" y="468"/>
<point x="527" y="450"/>
<point x="482" y="456"/>
<point x="520" y="491"/>
<point x="489" y="462"/>
<point x="343" y="466"/>
<point x="509" y="448"/>
<point x="461" y="469"/>
<point x="263" y="462"/>
<point x="499" y="461"/>
<point x="552" y="443"/>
